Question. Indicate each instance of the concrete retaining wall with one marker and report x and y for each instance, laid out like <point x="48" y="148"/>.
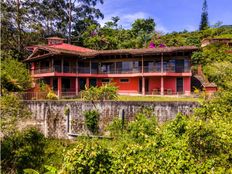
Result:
<point x="51" y="116"/>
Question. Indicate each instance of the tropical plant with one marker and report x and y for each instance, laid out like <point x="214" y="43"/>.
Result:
<point x="91" y="120"/>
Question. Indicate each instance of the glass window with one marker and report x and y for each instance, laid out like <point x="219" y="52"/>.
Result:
<point x="105" y="80"/>
<point x="124" y="80"/>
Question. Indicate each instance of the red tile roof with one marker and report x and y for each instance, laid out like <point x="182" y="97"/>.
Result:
<point x="69" y="47"/>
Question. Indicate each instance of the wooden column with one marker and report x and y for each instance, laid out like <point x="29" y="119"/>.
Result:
<point x="162" y="63"/>
<point x="162" y="77"/>
<point x="51" y="83"/>
<point x="87" y="82"/>
<point x="33" y="68"/>
<point x="142" y="65"/>
<point x="62" y="64"/>
<point x="52" y="65"/>
<point x="39" y="67"/>
<point x="115" y="68"/>
<point x="162" y="86"/>
<point x="59" y="87"/>
<point x="77" y="69"/>
<point x="90" y="67"/>
<point x="77" y="85"/>
<point x="143" y="86"/>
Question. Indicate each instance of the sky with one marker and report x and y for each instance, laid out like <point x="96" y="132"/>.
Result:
<point x="169" y="15"/>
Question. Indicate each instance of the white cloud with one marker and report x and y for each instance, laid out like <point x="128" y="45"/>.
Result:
<point x="127" y="19"/>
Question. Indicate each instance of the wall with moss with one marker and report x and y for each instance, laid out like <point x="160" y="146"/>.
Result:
<point x="60" y="118"/>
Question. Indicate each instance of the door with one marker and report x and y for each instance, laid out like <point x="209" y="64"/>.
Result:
<point x="147" y="85"/>
<point x="140" y="85"/>
<point x="82" y="83"/>
<point x="179" y="84"/>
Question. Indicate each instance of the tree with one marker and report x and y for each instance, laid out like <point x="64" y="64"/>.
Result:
<point x="204" y="17"/>
<point x="81" y="11"/>
<point x="11" y="81"/>
<point x="143" y="30"/>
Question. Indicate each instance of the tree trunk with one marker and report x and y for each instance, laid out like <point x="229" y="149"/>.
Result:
<point x="69" y="21"/>
<point x="18" y="21"/>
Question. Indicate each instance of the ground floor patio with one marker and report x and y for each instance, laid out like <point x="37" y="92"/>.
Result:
<point x="71" y="86"/>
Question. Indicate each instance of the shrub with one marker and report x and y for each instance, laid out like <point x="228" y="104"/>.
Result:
<point x="91" y="120"/>
<point x="12" y="111"/>
<point x="104" y="92"/>
<point x="52" y="96"/>
<point x="116" y="127"/>
<point x="144" y="125"/>
<point x="23" y="150"/>
<point x="87" y="158"/>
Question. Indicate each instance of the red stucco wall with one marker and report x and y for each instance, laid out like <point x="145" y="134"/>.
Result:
<point x="187" y="85"/>
<point x="170" y="83"/>
<point x="132" y="86"/>
<point x="154" y="83"/>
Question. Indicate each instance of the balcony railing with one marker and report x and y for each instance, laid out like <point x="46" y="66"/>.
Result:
<point x="86" y="70"/>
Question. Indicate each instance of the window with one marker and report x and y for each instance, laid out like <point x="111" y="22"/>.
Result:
<point x="105" y="80"/>
<point x="124" y="80"/>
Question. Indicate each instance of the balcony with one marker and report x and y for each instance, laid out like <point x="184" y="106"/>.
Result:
<point x="86" y="70"/>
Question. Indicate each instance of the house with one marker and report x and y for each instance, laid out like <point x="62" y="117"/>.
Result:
<point x="68" y="69"/>
<point x="208" y="41"/>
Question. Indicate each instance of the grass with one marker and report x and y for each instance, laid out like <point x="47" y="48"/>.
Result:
<point x="149" y="98"/>
<point x="158" y="98"/>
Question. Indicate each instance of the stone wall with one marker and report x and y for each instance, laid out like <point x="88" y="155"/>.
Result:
<point x="52" y="118"/>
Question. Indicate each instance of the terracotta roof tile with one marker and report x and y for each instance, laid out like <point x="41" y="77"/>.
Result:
<point x="69" y="47"/>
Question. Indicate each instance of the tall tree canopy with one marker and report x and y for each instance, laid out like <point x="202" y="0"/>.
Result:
<point x="29" y="22"/>
<point x="204" y="17"/>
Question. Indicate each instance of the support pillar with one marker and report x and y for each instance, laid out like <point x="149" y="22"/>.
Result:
<point x="143" y="85"/>
<point x="162" y="86"/>
<point x="59" y="87"/>
<point x="77" y="85"/>
<point x="90" y="67"/>
<point x="51" y="83"/>
<point x="62" y="64"/>
<point x="162" y="63"/>
<point x="33" y="68"/>
<point x="87" y="82"/>
<point x="52" y="65"/>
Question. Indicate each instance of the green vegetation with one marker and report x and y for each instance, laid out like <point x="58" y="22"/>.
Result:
<point x="204" y="17"/>
<point x="12" y="111"/>
<point x="14" y="75"/>
<point x="105" y="92"/>
<point x="91" y="120"/>
<point x="200" y="143"/>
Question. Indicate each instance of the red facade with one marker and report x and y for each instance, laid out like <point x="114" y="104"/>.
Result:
<point x="68" y="69"/>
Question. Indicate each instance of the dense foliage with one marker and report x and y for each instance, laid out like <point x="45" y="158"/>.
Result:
<point x="14" y="75"/>
<point x="12" y="111"/>
<point x="200" y="143"/>
<point x="22" y="150"/>
<point x="91" y="120"/>
<point x="105" y="92"/>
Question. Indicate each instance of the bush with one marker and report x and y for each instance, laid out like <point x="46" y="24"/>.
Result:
<point x="87" y="158"/>
<point x="116" y="127"/>
<point x="91" y="120"/>
<point x="144" y="126"/>
<point x="104" y="92"/>
<point x="12" y="111"/>
<point x="52" y="96"/>
<point x="23" y="150"/>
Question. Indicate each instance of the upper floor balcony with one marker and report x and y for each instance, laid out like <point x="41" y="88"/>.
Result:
<point x="108" y="68"/>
